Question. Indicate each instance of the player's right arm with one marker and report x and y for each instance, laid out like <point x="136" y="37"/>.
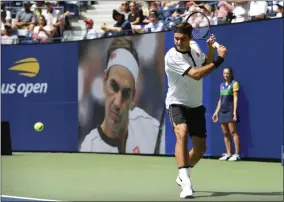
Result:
<point x="181" y="66"/>
<point x="199" y="73"/>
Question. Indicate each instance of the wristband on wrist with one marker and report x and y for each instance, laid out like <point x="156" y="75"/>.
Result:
<point x="218" y="61"/>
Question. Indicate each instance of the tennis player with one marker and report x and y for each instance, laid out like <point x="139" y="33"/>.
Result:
<point x="185" y="67"/>
<point x="125" y="129"/>
<point x="227" y="108"/>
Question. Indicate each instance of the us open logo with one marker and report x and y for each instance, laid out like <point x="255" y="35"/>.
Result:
<point x="28" y="67"/>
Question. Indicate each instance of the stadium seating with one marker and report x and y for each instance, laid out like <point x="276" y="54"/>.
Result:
<point x="101" y="13"/>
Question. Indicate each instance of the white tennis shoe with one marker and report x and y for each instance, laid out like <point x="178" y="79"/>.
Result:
<point x="225" y="157"/>
<point x="186" y="191"/>
<point x="178" y="181"/>
<point x="235" y="157"/>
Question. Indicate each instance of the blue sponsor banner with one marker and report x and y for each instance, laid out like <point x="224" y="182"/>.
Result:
<point x="256" y="56"/>
<point x="282" y="155"/>
<point x="39" y="83"/>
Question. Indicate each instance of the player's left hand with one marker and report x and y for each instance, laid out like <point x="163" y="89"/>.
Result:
<point x="235" y="117"/>
<point x="211" y="40"/>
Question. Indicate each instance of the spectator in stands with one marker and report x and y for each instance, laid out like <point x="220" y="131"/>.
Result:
<point x="135" y="15"/>
<point x="258" y="10"/>
<point x="90" y="32"/>
<point x="179" y="9"/>
<point x="8" y="37"/>
<point x="144" y="9"/>
<point x="38" y="7"/>
<point x="191" y="7"/>
<point x="8" y="18"/>
<point x="155" y="24"/>
<point x="206" y="10"/>
<point x="124" y="7"/>
<point x="280" y="10"/>
<point x="3" y="16"/>
<point x="200" y="21"/>
<point x="53" y="19"/>
<point x="177" y="15"/>
<point x="51" y="15"/>
<point x="240" y="11"/>
<point x="224" y="8"/>
<point x="65" y="11"/>
<point x="64" y="17"/>
<point x="154" y="7"/>
<point x="43" y="33"/>
<point x="121" y="27"/>
<point x="25" y="19"/>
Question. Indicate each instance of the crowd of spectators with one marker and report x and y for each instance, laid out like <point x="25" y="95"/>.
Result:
<point x="46" y="21"/>
<point x="37" y="21"/>
<point x="155" y="16"/>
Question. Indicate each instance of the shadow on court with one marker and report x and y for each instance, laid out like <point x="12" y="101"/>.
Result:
<point x="220" y="194"/>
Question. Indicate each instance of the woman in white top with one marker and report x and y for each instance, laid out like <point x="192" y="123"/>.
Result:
<point x="8" y="37"/>
<point x="240" y="11"/>
<point x="8" y="15"/>
<point x="42" y="32"/>
<point x="280" y="9"/>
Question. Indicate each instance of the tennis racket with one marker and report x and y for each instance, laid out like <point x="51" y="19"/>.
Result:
<point x="201" y="26"/>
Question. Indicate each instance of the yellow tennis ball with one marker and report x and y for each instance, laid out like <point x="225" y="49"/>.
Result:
<point x="38" y="126"/>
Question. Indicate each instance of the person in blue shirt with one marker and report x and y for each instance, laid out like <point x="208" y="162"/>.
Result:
<point x="226" y="114"/>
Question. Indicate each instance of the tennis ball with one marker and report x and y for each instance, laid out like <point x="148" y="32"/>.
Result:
<point x="38" y="126"/>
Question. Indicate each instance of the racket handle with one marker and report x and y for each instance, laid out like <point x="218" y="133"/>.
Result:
<point x="216" y="44"/>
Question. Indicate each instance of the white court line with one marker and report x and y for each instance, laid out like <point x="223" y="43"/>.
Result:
<point x="26" y="198"/>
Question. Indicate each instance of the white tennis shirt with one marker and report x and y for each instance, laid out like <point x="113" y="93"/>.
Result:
<point x="183" y="89"/>
<point x="142" y="136"/>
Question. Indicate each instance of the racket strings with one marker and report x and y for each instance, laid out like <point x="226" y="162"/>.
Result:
<point x="200" y="24"/>
<point x="200" y="32"/>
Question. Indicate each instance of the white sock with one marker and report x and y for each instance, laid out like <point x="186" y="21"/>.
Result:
<point x="184" y="174"/>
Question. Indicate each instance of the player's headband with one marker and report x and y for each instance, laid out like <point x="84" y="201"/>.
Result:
<point x="183" y="30"/>
<point x="124" y="58"/>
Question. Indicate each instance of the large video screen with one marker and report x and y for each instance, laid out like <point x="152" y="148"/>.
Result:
<point x="121" y="95"/>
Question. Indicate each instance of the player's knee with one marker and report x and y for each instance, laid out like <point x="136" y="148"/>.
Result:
<point x="181" y="132"/>
<point x="234" y="133"/>
<point x="227" y="134"/>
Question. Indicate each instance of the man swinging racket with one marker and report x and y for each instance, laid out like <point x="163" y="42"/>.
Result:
<point x="185" y="66"/>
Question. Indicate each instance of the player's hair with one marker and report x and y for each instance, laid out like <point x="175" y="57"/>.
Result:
<point x="231" y="72"/>
<point x="185" y="26"/>
<point x="122" y="42"/>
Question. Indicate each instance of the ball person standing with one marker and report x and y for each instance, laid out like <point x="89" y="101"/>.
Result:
<point x="226" y="114"/>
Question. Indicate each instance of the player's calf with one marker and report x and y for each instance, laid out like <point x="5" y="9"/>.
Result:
<point x="198" y="150"/>
<point x="181" y="153"/>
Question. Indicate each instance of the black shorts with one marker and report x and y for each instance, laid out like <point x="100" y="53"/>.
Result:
<point x="193" y="117"/>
